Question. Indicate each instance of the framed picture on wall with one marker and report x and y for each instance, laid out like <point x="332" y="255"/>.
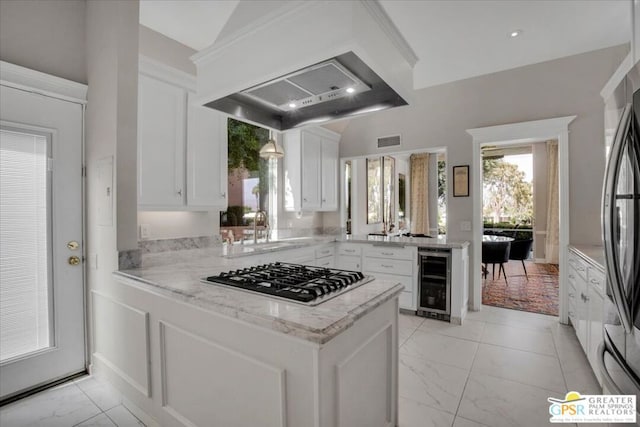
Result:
<point x="461" y="181"/>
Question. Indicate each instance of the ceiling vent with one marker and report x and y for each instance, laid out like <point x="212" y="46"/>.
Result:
<point x="389" y="141"/>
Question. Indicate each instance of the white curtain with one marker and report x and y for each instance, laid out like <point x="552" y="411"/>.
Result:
<point x="553" y="202"/>
<point x="419" y="193"/>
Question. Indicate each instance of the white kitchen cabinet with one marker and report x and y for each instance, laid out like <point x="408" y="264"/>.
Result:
<point x="577" y="276"/>
<point x="349" y="256"/>
<point x="586" y="304"/>
<point x="329" y="175"/>
<point x="182" y="146"/>
<point x="161" y="143"/>
<point x="206" y="156"/>
<point x="394" y="263"/>
<point x="595" y="310"/>
<point x="325" y="256"/>
<point x="311" y="170"/>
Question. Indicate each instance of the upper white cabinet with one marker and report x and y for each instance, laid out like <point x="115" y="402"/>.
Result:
<point x="161" y="143"/>
<point x="182" y="146"/>
<point x="311" y="170"/>
<point x="206" y="156"/>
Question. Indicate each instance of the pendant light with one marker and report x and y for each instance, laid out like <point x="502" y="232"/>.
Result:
<point x="271" y="150"/>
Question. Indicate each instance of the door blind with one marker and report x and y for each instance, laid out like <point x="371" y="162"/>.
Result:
<point x="24" y="243"/>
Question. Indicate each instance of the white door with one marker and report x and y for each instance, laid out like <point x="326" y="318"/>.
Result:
<point x="42" y="322"/>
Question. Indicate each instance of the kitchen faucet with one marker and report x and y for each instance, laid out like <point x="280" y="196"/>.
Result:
<point x="265" y="218"/>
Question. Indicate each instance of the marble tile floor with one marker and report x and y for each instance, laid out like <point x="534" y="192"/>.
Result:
<point x="496" y="370"/>
<point x="84" y="402"/>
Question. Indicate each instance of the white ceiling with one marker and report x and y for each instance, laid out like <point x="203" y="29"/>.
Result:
<point x="453" y="39"/>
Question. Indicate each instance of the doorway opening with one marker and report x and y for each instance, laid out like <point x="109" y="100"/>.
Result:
<point x="520" y="134"/>
<point x="519" y="188"/>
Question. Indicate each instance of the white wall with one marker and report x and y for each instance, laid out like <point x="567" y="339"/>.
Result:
<point x="440" y="116"/>
<point x="47" y="36"/>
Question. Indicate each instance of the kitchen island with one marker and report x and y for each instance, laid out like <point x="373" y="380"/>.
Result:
<point x="184" y="352"/>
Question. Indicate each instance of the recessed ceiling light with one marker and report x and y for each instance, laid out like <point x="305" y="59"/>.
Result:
<point x="292" y="105"/>
<point x="350" y="90"/>
<point x="515" y="33"/>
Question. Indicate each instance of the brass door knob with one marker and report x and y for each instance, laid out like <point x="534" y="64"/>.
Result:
<point x="74" y="260"/>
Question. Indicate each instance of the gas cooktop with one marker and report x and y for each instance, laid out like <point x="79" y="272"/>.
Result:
<point x="298" y="283"/>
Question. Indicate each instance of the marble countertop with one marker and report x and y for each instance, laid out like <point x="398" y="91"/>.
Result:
<point x="433" y="242"/>
<point x="594" y="253"/>
<point x="240" y="250"/>
<point x="177" y="275"/>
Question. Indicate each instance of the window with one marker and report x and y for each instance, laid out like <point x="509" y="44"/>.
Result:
<point x="252" y="184"/>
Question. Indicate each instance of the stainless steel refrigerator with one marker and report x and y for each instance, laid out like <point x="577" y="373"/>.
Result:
<point x="620" y="351"/>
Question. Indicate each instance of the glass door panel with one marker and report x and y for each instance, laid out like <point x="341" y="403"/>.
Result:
<point x="25" y="297"/>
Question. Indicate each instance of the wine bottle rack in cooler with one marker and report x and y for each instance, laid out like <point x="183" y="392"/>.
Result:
<point x="434" y="283"/>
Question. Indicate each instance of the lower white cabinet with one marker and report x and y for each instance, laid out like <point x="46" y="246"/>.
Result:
<point x="396" y="264"/>
<point x="349" y="256"/>
<point x="586" y="304"/>
<point x="179" y="365"/>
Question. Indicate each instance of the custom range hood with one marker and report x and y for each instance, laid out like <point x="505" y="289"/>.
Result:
<point x="307" y="63"/>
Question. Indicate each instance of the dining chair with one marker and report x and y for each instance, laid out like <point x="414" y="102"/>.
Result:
<point x="520" y="250"/>
<point x="495" y="253"/>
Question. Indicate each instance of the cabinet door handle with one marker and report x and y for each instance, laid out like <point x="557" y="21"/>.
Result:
<point x="223" y="195"/>
<point x="179" y="192"/>
<point x="571" y="276"/>
<point x="324" y="200"/>
<point x="571" y="295"/>
<point x="304" y="199"/>
<point x="571" y="314"/>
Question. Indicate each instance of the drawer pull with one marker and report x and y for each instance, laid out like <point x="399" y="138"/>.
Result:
<point x="350" y="250"/>
<point x="571" y="276"/>
<point x="571" y="314"/>
<point x="386" y="266"/>
<point x="571" y="295"/>
<point x="388" y="253"/>
<point x="595" y="281"/>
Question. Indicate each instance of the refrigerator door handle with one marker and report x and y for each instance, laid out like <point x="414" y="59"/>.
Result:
<point x="614" y="275"/>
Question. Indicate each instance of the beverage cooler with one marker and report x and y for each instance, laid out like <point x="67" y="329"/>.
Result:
<point x="434" y="283"/>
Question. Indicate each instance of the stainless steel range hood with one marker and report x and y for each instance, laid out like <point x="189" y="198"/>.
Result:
<point x="313" y="95"/>
<point x="362" y="67"/>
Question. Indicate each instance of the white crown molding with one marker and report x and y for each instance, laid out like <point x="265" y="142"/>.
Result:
<point x="35" y="81"/>
<point x="625" y="66"/>
<point x="533" y="130"/>
<point x="161" y="71"/>
<point x="380" y="16"/>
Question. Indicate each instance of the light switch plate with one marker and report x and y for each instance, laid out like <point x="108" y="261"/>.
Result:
<point x="465" y="225"/>
<point x="144" y="231"/>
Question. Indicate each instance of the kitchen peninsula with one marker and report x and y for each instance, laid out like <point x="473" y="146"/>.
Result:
<point x="189" y="353"/>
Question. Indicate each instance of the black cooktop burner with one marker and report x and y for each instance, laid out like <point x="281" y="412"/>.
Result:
<point x="295" y="282"/>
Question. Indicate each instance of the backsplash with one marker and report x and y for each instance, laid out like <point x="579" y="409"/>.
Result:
<point x="164" y="245"/>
